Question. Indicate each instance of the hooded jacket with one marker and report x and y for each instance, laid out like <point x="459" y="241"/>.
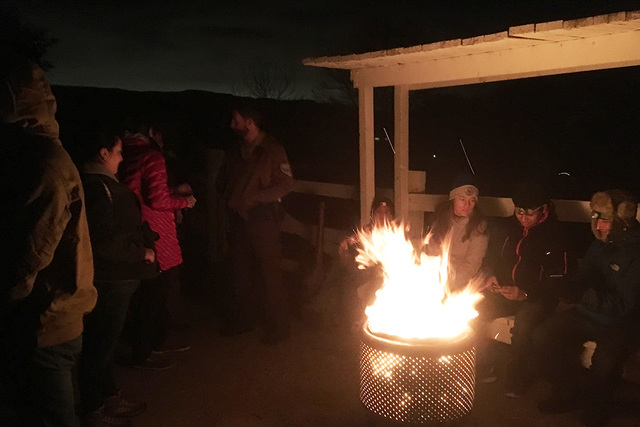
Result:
<point x="144" y="171"/>
<point x="47" y="270"/>
<point x="609" y="275"/>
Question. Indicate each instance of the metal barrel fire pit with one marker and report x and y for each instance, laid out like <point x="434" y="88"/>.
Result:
<point x="417" y="381"/>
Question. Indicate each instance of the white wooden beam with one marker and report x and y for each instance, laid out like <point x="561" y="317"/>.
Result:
<point x="568" y="56"/>
<point x="401" y="157"/>
<point x="367" y="158"/>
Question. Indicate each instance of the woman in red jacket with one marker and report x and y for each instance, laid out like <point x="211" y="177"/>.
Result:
<point x="144" y="171"/>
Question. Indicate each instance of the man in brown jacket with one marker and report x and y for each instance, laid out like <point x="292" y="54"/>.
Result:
<point x="252" y="182"/>
<point x="46" y="277"/>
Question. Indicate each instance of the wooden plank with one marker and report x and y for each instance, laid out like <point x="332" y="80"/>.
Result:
<point x="367" y="158"/>
<point x="401" y="157"/>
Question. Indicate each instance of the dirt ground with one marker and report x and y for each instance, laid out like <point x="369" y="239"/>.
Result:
<point x="310" y="380"/>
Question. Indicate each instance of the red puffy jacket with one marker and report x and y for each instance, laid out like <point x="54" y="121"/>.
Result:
<point x="144" y="171"/>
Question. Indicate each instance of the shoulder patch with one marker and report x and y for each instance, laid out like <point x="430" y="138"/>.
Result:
<point x="285" y="168"/>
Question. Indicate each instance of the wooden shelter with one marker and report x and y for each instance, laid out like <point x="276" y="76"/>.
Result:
<point x="533" y="50"/>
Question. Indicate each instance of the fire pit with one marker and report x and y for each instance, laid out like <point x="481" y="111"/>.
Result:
<point x="417" y="381"/>
<point x="418" y="356"/>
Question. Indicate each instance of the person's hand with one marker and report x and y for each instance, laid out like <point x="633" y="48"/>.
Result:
<point x="491" y="283"/>
<point x="183" y="190"/>
<point x="513" y="293"/>
<point x="191" y="201"/>
<point x="149" y="256"/>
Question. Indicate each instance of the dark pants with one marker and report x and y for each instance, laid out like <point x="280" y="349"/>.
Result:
<point x="559" y="344"/>
<point x="528" y="316"/>
<point x="259" y="290"/>
<point x="149" y="319"/>
<point x="102" y="328"/>
<point x="37" y="384"/>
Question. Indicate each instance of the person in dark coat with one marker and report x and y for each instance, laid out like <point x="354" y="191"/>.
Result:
<point x="607" y="286"/>
<point x="123" y="255"/>
<point x="535" y="258"/>
<point x="252" y="182"/>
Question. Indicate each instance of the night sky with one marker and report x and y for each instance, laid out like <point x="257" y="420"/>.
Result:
<point x="175" y="45"/>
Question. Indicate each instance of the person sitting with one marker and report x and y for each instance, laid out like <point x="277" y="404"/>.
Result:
<point x="535" y="259"/>
<point x="460" y="219"/>
<point x="607" y="289"/>
<point x="348" y="290"/>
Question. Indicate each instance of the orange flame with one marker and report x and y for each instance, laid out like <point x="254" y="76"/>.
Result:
<point x="413" y="301"/>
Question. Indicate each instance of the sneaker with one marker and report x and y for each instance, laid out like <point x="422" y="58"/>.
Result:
<point x="156" y="363"/>
<point x="100" y="419"/>
<point x="168" y="348"/>
<point x="118" y="406"/>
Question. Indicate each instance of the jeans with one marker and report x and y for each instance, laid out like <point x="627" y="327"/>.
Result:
<point x="102" y="328"/>
<point x="149" y="319"/>
<point x="38" y="385"/>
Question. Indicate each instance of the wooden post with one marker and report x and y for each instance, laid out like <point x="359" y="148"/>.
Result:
<point x="367" y="158"/>
<point x="401" y="144"/>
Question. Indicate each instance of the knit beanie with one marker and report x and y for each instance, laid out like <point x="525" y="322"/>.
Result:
<point x="464" y="185"/>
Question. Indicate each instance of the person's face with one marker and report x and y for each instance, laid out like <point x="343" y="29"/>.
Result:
<point x="239" y="125"/>
<point x="382" y="214"/>
<point x="112" y="158"/>
<point x="463" y="205"/>
<point x="529" y="217"/>
<point x="603" y="228"/>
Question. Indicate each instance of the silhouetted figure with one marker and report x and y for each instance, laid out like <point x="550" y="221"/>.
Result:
<point x="47" y="267"/>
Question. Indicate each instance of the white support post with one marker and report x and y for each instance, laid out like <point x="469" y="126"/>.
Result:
<point x="401" y="159"/>
<point x="367" y="158"/>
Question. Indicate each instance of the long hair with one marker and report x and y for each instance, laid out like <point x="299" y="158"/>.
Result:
<point x="441" y="224"/>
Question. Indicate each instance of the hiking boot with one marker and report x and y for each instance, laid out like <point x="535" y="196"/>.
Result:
<point x="100" y="419"/>
<point x="118" y="406"/>
<point x="156" y="362"/>
<point x="168" y="348"/>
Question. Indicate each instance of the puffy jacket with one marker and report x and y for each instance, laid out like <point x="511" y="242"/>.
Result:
<point x="47" y="267"/>
<point x="609" y="274"/>
<point x="537" y="260"/>
<point x="144" y="171"/>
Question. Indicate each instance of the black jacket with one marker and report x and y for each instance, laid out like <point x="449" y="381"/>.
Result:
<point x="609" y="275"/>
<point x="537" y="260"/>
<point x="115" y="224"/>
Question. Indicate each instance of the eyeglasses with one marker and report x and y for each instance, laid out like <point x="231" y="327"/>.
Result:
<point x="595" y="215"/>
<point x="528" y="212"/>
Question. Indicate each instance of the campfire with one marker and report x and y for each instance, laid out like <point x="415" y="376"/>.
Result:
<point x="417" y="361"/>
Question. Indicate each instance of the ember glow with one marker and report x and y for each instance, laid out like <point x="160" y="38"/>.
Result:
<point x="413" y="301"/>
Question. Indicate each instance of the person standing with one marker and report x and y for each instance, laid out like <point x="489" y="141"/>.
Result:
<point x="123" y="255"/>
<point x="144" y="171"/>
<point x="607" y="286"/>
<point x="252" y="181"/>
<point x="47" y="268"/>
